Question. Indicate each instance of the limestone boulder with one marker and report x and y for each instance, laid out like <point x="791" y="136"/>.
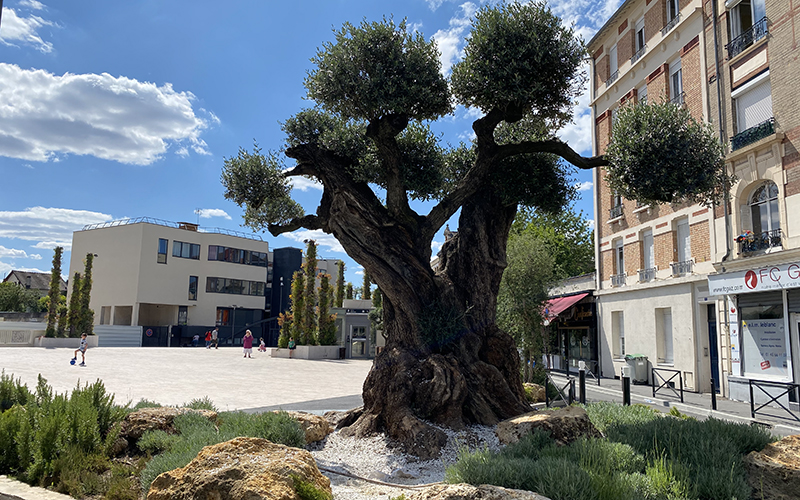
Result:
<point x="315" y="426"/>
<point x="242" y="468"/>
<point x="774" y="472"/>
<point x="564" y="424"/>
<point x="146" y="419"/>
<point x="534" y="392"/>
<point x="469" y="492"/>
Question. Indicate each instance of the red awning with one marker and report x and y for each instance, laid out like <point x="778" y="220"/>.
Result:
<point x="554" y="307"/>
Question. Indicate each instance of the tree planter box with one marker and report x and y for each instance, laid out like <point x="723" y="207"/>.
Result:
<point x="308" y="352"/>
<point x="72" y="343"/>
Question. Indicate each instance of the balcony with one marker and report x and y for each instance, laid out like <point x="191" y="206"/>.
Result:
<point x="750" y="243"/>
<point x="646" y="275"/>
<point x="639" y="53"/>
<point x="753" y="134"/>
<point x="671" y="24"/>
<point x="612" y="78"/>
<point x="679" y="100"/>
<point x="758" y="31"/>
<point x="616" y="212"/>
<point x="681" y="268"/>
<point x="618" y="279"/>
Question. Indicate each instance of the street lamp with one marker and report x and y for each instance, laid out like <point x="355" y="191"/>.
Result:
<point x="233" y="324"/>
<point x="280" y="298"/>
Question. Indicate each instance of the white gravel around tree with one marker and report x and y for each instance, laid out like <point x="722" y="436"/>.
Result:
<point x="374" y="458"/>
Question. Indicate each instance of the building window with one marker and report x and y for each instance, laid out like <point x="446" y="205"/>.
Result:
<point x="664" y="333"/>
<point x="162" y="250"/>
<point x="619" y="257"/>
<point x="185" y="250"/>
<point x="753" y="104"/>
<point x="613" y="66"/>
<point x="648" y="272"/>
<point x="676" y="83"/>
<point x="748" y="24"/>
<point x="183" y="315"/>
<point x="642" y="94"/>
<point x="618" y="334"/>
<point x="238" y="256"/>
<point x="235" y="286"/>
<point x="765" y="344"/>
<point x="224" y="316"/>
<point x="192" y="287"/>
<point x="761" y="220"/>
<point x="639" y="41"/>
<point x="673" y="10"/>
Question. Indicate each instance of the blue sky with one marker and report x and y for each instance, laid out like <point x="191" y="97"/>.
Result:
<point x="111" y="110"/>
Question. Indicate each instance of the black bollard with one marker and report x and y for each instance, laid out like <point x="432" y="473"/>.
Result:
<point x="582" y="384"/>
<point x="626" y="386"/>
<point x="713" y="395"/>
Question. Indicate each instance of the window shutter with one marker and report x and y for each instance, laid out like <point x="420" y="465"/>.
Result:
<point x="745" y="218"/>
<point x="754" y="106"/>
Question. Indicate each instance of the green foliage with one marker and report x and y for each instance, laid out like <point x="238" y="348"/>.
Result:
<point x="340" y="284"/>
<point x="257" y="182"/>
<point x="366" y="292"/>
<point x="348" y="291"/>
<point x="156" y="441"/>
<point x="605" y="414"/>
<point x="285" y="322"/>
<point x="660" y="154"/>
<point x="74" y="313"/>
<point x="195" y="432"/>
<point x="203" y="403"/>
<point x="308" y="335"/>
<point x="326" y="322"/>
<point x="146" y="403"/>
<point x="16" y="298"/>
<point x="12" y="392"/>
<point x="377" y="69"/>
<point x="521" y="58"/>
<point x="86" y="318"/>
<point x="307" y="491"/>
<point x="61" y="329"/>
<point x="297" y="298"/>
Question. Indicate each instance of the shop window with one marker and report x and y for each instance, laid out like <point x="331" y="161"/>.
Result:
<point x="162" y="250"/>
<point x="618" y="334"/>
<point x="664" y="335"/>
<point x="765" y="344"/>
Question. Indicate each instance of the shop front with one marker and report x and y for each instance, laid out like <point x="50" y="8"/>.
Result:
<point x="571" y="333"/>
<point x="763" y="315"/>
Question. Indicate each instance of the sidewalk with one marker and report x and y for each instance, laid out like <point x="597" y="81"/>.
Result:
<point x="779" y="421"/>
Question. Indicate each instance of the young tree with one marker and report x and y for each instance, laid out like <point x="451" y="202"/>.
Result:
<point x="285" y="323"/>
<point x="17" y="298"/>
<point x="298" y="306"/>
<point x="349" y="291"/>
<point x="326" y="323"/>
<point x="340" y="284"/>
<point x="54" y="294"/>
<point x="376" y="86"/>
<point x="61" y="330"/>
<point x="366" y="293"/>
<point x="86" y="321"/>
<point x="74" y="312"/>
<point x="310" y="296"/>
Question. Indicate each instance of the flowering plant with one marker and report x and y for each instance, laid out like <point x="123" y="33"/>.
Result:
<point x="746" y="235"/>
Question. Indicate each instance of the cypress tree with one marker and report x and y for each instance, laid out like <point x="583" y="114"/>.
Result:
<point x="298" y="306"/>
<point x="86" y="321"/>
<point x="377" y="298"/>
<point x="74" y="313"/>
<point x="54" y="294"/>
<point x="365" y="288"/>
<point x="61" y="331"/>
<point x="326" y="325"/>
<point x="349" y="291"/>
<point x="310" y="314"/>
<point x="285" y="322"/>
<point x="340" y="284"/>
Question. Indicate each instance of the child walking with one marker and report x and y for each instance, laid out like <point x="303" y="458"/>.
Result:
<point x="82" y="349"/>
<point x="292" y="346"/>
<point x="262" y="347"/>
<point x="247" y="343"/>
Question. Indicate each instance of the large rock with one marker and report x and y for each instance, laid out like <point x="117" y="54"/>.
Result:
<point x="242" y="468"/>
<point x="774" y="472"/>
<point x="315" y="426"/>
<point x="565" y="425"/>
<point x="535" y="392"/>
<point x="146" y="419"/>
<point x="469" y="492"/>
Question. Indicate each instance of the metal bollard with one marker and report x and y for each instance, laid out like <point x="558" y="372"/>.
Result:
<point x="713" y="395"/>
<point x="582" y="381"/>
<point x="626" y="385"/>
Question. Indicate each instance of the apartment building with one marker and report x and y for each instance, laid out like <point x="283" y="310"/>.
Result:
<point x="652" y="293"/>
<point x="757" y="257"/>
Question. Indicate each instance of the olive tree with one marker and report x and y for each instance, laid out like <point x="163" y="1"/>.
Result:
<point x="376" y="88"/>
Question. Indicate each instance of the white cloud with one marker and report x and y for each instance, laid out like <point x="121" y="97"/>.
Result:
<point x="49" y="227"/>
<point x="435" y="4"/>
<point x="207" y="213"/>
<point x="321" y="238"/>
<point x="35" y="256"/>
<point x="451" y="40"/>
<point x="584" y="186"/>
<point x="436" y="246"/>
<point x="13" y="253"/>
<point x="590" y="222"/>
<point x="33" y="4"/>
<point x="23" y="30"/>
<point x="6" y="268"/>
<point x="113" y="118"/>
<point x="578" y="133"/>
<point x="305" y="183"/>
<point x="588" y="16"/>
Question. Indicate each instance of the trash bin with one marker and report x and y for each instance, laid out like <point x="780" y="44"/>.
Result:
<point x="639" y="365"/>
<point x="342" y="352"/>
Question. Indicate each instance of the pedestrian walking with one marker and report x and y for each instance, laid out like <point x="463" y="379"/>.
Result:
<point x="247" y="343"/>
<point x="292" y="346"/>
<point x="215" y="337"/>
<point x="208" y="339"/>
<point x="195" y="340"/>
<point x="262" y="347"/>
<point x="82" y="349"/>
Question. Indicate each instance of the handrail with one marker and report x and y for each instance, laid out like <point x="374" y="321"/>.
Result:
<point x="174" y="225"/>
<point x="755" y="33"/>
<point x="666" y="381"/>
<point x="570" y="396"/>
<point x="759" y="383"/>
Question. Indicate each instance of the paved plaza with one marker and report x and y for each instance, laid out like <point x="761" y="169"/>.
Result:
<point x="172" y="376"/>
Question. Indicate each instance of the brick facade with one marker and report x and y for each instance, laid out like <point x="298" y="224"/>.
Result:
<point x="692" y="81"/>
<point x="701" y="247"/>
<point x="625" y="47"/>
<point x="655" y="19"/>
<point x="658" y="84"/>
<point x="664" y="249"/>
<point x="601" y="72"/>
<point x="606" y="264"/>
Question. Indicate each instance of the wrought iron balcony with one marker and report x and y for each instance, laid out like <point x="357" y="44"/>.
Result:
<point x="753" y="134"/>
<point x="681" y="268"/>
<point x="679" y="100"/>
<point x="618" y="279"/>
<point x="671" y="24"/>
<point x="612" y="78"/>
<point x="639" y="53"/>
<point x="750" y="242"/>
<point x="646" y="275"/>
<point x="616" y="212"/>
<point x="758" y="31"/>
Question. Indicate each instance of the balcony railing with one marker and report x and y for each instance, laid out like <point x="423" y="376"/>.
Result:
<point x="646" y="275"/>
<point x="758" y="31"/>
<point x="618" y="279"/>
<point x="616" y="212"/>
<point x="681" y="268"/>
<point x="671" y="24"/>
<point x="679" y="100"/>
<point x="755" y="242"/>
<point x="612" y="78"/>
<point x="753" y="134"/>
<point x="639" y="53"/>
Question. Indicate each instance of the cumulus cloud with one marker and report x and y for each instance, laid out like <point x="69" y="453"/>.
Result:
<point x="305" y="183"/>
<point x="436" y="246"/>
<point x="322" y="239"/>
<point x="590" y="223"/>
<point x="451" y="40"/>
<point x="49" y="227"/>
<point x="207" y="213"/>
<point x="584" y="186"/>
<point x="23" y="31"/>
<point x="13" y="253"/>
<point x="113" y="118"/>
<point x="588" y="16"/>
<point x="6" y="268"/>
<point x="32" y="4"/>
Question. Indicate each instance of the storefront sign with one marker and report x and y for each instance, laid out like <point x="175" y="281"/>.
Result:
<point x="762" y="279"/>
<point x="733" y="321"/>
<point x="765" y="347"/>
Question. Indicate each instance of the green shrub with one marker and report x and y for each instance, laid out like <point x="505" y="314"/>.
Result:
<point x="145" y="403"/>
<point x="307" y="491"/>
<point x="606" y="413"/>
<point x="156" y="441"/>
<point x="203" y="403"/>
<point x="12" y="392"/>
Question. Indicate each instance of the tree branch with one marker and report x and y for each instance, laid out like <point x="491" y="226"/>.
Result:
<point x="553" y="146"/>
<point x="308" y="222"/>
